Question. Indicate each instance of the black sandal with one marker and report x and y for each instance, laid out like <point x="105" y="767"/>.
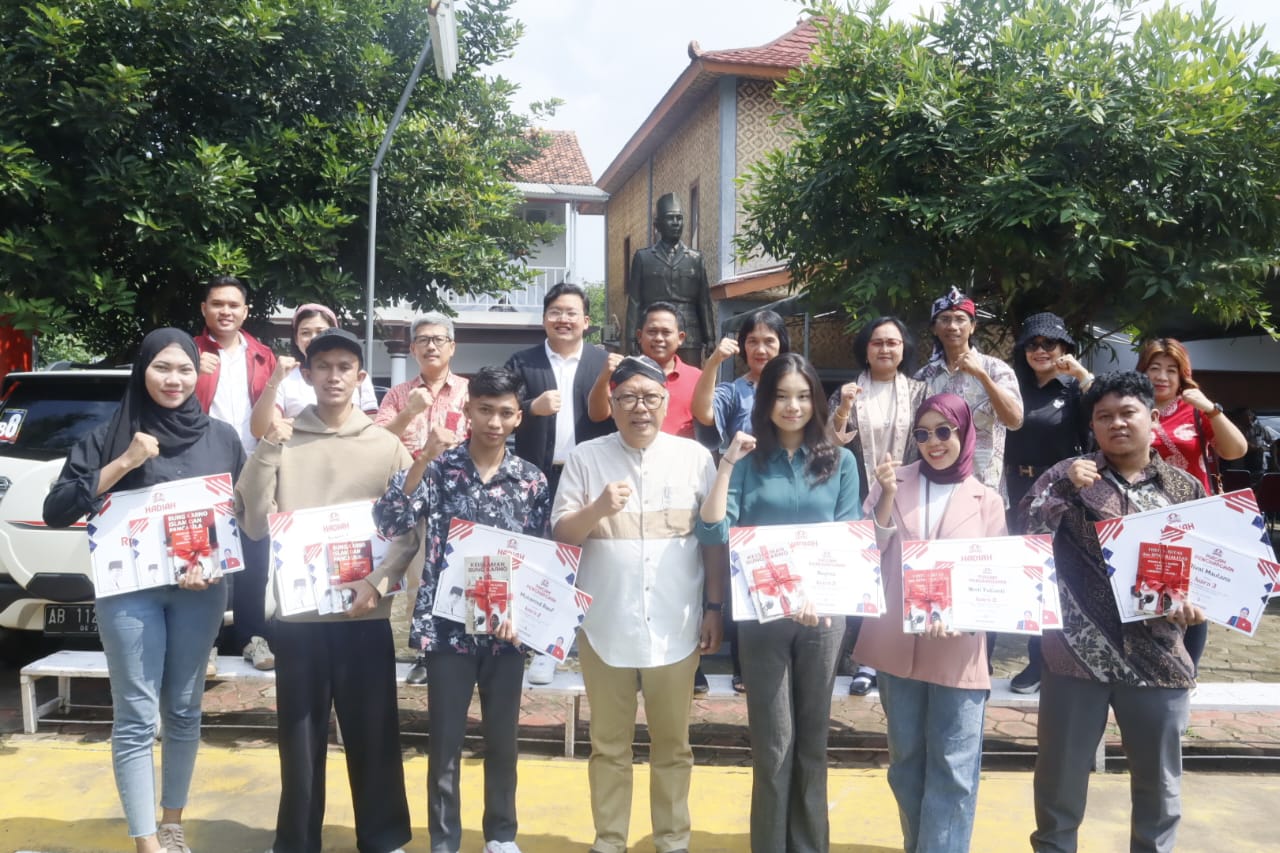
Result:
<point x="739" y="686"/>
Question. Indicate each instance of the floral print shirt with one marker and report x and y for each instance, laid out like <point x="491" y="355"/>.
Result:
<point x="516" y="498"/>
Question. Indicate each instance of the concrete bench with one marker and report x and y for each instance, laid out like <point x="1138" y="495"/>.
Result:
<point x="66" y="665"/>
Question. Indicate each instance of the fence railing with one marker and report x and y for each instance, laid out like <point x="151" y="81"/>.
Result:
<point x="524" y="299"/>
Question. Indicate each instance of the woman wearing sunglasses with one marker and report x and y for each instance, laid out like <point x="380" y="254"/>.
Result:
<point x="1053" y="428"/>
<point x="795" y="475"/>
<point x="933" y="686"/>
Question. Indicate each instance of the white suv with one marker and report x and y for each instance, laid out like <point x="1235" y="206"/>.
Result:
<point x="44" y="573"/>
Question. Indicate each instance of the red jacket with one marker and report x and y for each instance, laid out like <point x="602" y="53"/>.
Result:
<point x="258" y="358"/>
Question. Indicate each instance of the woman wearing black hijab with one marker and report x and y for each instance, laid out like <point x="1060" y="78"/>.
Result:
<point x="156" y="640"/>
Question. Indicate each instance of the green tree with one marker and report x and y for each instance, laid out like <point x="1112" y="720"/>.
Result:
<point x="1068" y="155"/>
<point x="145" y="145"/>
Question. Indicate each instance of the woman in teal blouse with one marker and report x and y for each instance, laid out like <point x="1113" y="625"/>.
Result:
<point x="795" y="475"/>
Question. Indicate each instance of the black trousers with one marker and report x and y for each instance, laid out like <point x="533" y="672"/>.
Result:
<point x="452" y="679"/>
<point x="248" y="593"/>
<point x="349" y="666"/>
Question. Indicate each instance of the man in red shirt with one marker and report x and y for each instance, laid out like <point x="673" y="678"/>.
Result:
<point x="660" y="335"/>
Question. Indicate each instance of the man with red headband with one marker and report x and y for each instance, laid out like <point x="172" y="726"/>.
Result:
<point x="987" y="384"/>
<point x="630" y="500"/>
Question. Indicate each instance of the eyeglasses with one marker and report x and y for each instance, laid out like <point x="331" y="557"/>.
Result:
<point x="631" y="402"/>
<point x="1042" y="344"/>
<point x="885" y="343"/>
<point x="943" y="433"/>
<point x="437" y="341"/>
<point x="557" y="314"/>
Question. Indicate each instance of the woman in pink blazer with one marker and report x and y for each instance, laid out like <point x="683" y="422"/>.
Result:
<point x="933" y="686"/>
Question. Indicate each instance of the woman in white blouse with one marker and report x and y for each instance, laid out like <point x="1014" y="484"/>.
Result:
<point x="287" y="393"/>
<point x="873" y="416"/>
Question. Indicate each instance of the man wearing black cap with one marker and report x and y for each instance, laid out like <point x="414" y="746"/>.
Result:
<point x="630" y="500"/>
<point x="333" y="453"/>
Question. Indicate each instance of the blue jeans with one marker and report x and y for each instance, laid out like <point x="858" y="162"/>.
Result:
<point x="157" y="643"/>
<point x="935" y="753"/>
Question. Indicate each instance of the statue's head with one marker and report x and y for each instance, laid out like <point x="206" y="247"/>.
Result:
<point x="669" y="219"/>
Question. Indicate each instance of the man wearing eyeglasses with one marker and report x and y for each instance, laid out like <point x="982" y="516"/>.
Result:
<point x="557" y="377"/>
<point x="427" y="411"/>
<point x="630" y="500"/>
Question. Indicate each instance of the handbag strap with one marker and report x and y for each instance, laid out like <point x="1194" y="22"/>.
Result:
<point x="1209" y="458"/>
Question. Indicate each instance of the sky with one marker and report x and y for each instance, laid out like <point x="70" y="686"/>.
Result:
<point x="611" y="61"/>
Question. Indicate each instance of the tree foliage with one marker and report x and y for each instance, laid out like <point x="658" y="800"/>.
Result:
<point x="1065" y="155"/>
<point x="147" y="144"/>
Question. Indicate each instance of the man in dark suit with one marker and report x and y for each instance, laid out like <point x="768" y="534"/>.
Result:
<point x="557" y="377"/>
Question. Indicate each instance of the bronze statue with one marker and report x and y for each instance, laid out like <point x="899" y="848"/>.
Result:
<point x="669" y="271"/>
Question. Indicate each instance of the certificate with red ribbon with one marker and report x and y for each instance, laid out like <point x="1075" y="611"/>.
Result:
<point x="998" y="583"/>
<point x="542" y="610"/>
<point x="315" y="551"/>
<point x="837" y="564"/>
<point x="144" y="538"/>
<point x="1231" y="519"/>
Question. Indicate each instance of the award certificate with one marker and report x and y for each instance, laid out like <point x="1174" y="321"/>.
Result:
<point x="1230" y="584"/>
<point x="144" y="538"/>
<point x="1232" y="517"/>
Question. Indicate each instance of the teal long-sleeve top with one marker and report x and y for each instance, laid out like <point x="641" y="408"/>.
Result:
<point x="781" y="493"/>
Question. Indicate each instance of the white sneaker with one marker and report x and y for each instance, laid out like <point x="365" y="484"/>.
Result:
<point x="258" y="653"/>
<point x="502" y="846"/>
<point x="211" y="668"/>
<point x="542" y="670"/>
<point x="171" y="839"/>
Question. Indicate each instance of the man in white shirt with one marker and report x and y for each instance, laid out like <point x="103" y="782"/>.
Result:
<point x="630" y="500"/>
<point x="234" y="369"/>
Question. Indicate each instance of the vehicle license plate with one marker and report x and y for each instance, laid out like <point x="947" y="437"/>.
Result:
<point x="70" y="620"/>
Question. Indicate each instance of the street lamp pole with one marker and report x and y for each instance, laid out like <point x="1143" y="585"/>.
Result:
<point x="443" y="28"/>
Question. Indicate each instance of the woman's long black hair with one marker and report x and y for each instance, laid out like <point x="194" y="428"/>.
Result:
<point x="817" y="441"/>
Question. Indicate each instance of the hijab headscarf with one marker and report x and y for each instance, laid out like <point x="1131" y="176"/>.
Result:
<point x="956" y="411"/>
<point x="175" y="429"/>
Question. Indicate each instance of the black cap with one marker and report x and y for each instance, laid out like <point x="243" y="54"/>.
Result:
<point x="335" y="339"/>
<point x="637" y="365"/>
<point x="1045" y="325"/>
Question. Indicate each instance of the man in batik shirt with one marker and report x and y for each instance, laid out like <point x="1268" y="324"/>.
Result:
<point x="1140" y="670"/>
<point x="477" y="481"/>
<point x="987" y="384"/>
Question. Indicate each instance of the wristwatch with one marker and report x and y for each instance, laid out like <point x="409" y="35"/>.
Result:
<point x="713" y="606"/>
<point x="1217" y="410"/>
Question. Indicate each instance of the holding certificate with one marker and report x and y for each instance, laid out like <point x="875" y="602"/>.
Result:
<point x="934" y="683"/>
<point x="477" y="482"/>
<point x="1099" y="661"/>
<point x="793" y="476"/>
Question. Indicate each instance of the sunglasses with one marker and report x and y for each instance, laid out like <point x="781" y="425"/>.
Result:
<point x="922" y="435"/>
<point x="1043" y="344"/>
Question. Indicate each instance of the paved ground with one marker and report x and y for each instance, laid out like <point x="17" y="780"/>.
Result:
<point x="63" y="798"/>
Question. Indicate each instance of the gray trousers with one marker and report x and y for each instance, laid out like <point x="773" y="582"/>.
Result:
<point x="451" y="679"/>
<point x="1073" y="715"/>
<point x="789" y="671"/>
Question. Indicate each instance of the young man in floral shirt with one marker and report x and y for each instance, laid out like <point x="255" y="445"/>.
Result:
<point x="477" y="481"/>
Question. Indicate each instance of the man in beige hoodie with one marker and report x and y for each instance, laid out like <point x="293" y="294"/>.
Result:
<point x="329" y="454"/>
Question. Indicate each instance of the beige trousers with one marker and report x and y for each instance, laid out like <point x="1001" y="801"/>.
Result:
<point x="668" y="695"/>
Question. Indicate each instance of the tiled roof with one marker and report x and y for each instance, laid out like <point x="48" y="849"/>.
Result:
<point x="561" y="162"/>
<point x="790" y="50"/>
<point x="772" y="61"/>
